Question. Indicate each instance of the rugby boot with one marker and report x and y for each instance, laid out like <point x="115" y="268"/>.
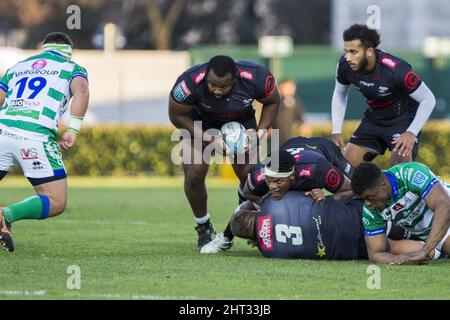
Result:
<point x="5" y="233"/>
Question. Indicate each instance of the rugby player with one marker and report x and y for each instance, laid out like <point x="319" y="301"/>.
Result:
<point x="400" y="103"/>
<point x="316" y="163"/>
<point x="296" y="227"/>
<point x="216" y="92"/>
<point x="34" y="93"/>
<point x="410" y="196"/>
<point x="305" y="164"/>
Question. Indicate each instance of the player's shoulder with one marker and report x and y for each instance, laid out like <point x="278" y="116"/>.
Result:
<point x="248" y="70"/>
<point x="390" y="62"/>
<point x="196" y="74"/>
<point x="342" y="62"/>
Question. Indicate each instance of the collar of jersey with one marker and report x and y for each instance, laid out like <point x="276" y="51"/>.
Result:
<point x="394" y="185"/>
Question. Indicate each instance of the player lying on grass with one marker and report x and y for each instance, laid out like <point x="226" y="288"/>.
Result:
<point x="33" y="96"/>
<point x="305" y="164"/>
<point x="410" y="196"/>
<point x="296" y="227"/>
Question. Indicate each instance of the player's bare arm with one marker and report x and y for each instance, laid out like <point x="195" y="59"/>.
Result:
<point x="377" y="249"/>
<point x="2" y="97"/>
<point x="80" y="102"/>
<point x="270" y="107"/>
<point x="439" y="202"/>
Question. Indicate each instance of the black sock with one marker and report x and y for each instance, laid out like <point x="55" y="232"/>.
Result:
<point x="241" y="196"/>
<point x="228" y="233"/>
<point x="205" y="224"/>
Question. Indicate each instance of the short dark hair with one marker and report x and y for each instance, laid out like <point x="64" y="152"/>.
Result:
<point x="286" y="162"/>
<point x="239" y="224"/>
<point x="58" y="37"/>
<point x="365" y="176"/>
<point x="222" y="65"/>
<point x="370" y="38"/>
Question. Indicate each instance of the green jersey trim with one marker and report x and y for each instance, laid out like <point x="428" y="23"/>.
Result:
<point x="29" y="126"/>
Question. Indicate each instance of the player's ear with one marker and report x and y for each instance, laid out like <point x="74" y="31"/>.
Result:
<point x="370" y="52"/>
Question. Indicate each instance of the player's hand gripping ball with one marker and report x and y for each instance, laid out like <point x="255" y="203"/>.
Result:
<point x="234" y="136"/>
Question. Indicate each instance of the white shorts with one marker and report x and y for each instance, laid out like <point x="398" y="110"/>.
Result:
<point x="40" y="161"/>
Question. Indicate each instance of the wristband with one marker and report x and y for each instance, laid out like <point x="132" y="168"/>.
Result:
<point x="75" y="124"/>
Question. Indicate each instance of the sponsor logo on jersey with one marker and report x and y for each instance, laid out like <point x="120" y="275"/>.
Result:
<point x="199" y="77"/>
<point x="411" y="80"/>
<point x="383" y="91"/>
<point x="265" y="234"/>
<point x="37" y="165"/>
<point x="389" y="62"/>
<point x="269" y="85"/>
<point x="181" y="91"/>
<point x="321" y="248"/>
<point x="16" y="103"/>
<point x="419" y="179"/>
<point x="37" y="71"/>
<point x="260" y="177"/>
<point x="311" y="147"/>
<point x="247" y="102"/>
<point x="386" y="214"/>
<point x="333" y="178"/>
<point x="245" y="74"/>
<point x="366" y="84"/>
<point x="39" y="64"/>
<point x="29" y="154"/>
<point x="11" y="135"/>
<point x="304" y="172"/>
<point x="398" y="207"/>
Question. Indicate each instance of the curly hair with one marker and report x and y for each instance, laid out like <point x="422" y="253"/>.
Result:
<point x="365" y="176"/>
<point x="370" y="38"/>
<point x="222" y="66"/>
<point x="242" y="224"/>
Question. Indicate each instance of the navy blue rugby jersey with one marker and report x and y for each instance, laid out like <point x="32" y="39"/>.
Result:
<point x="296" y="227"/>
<point x="386" y="88"/>
<point x="252" y="82"/>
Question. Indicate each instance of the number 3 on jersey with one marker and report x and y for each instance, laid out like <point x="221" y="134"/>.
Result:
<point x="284" y="232"/>
<point x="35" y="85"/>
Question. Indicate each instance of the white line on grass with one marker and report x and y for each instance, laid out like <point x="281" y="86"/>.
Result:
<point x="103" y="222"/>
<point x="23" y="293"/>
<point x="42" y="293"/>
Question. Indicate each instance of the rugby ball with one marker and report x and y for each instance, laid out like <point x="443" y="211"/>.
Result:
<point x="234" y="136"/>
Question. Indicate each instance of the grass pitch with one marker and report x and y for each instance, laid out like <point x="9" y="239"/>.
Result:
<point x="133" y="238"/>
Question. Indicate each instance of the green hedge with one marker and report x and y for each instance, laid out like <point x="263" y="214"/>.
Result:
<point x="143" y="150"/>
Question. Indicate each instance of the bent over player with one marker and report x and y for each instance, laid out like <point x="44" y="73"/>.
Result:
<point x="34" y="94"/>
<point x="400" y="103"/>
<point x="217" y="92"/>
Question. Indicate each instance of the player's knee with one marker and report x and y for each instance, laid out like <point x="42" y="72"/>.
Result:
<point x="194" y="180"/>
<point x="57" y="206"/>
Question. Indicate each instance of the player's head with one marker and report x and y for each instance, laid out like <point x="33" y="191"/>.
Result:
<point x="58" y="42"/>
<point x="371" y="185"/>
<point x="221" y="75"/>
<point x="59" y="38"/>
<point x="243" y="224"/>
<point x="360" y="43"/>
<point x="280" y="178"/>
